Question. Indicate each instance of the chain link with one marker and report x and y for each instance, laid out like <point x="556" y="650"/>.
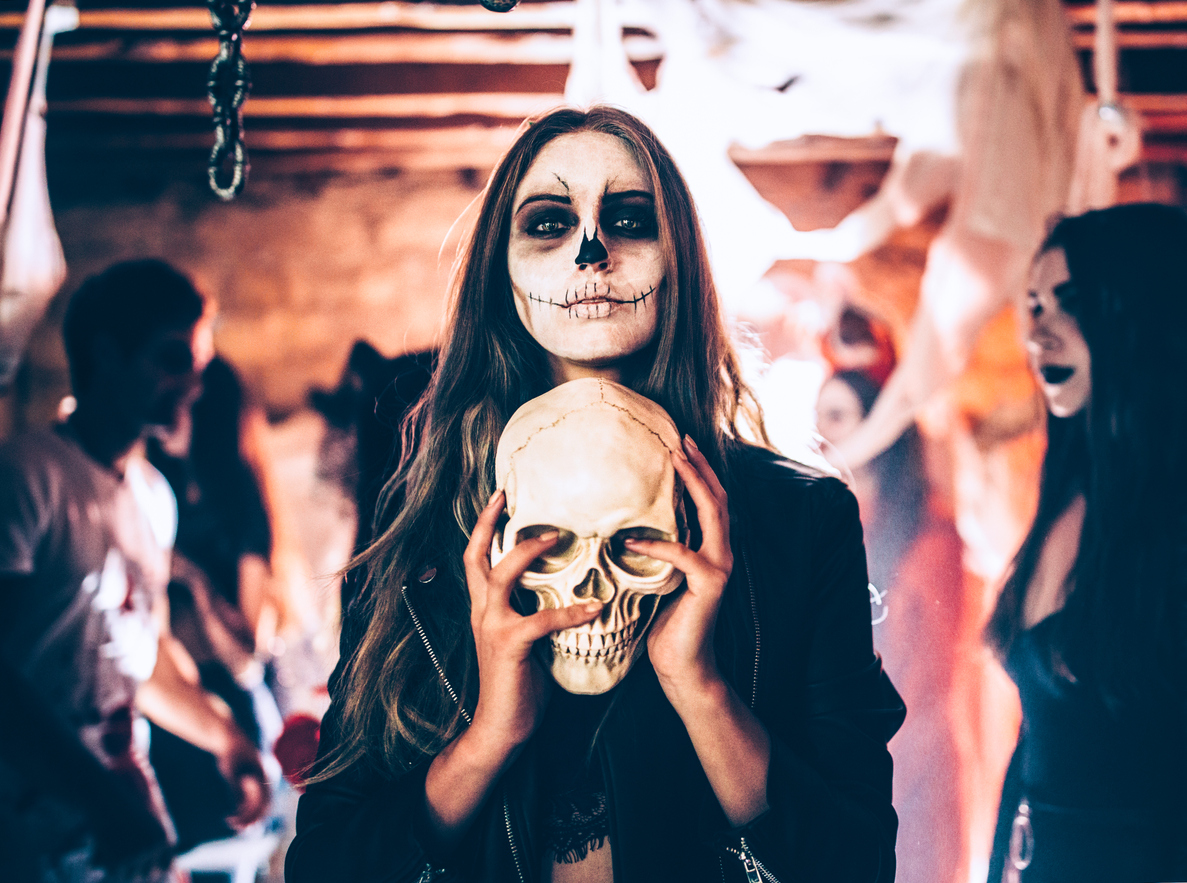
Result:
<point x="227" y="88"/>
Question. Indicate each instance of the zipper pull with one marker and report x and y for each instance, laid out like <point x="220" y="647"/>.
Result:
<point x="748" y="863"/>
<point x="751" y="869"/>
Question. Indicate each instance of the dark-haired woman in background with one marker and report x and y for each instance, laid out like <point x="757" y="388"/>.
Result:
<point x="919" y="612"/>
<point x="1090" y="624"/>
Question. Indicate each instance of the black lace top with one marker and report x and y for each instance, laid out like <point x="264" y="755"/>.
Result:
<point x="575" y="819"/>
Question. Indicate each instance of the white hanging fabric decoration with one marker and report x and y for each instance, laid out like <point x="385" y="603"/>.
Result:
<point x="1110" y="137"/>
<point x="33" y="264"/>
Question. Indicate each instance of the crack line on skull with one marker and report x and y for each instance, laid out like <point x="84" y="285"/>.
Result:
<point x="601" y="403"/>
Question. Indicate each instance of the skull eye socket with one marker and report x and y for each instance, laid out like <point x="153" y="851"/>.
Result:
<point x="556" y="558"/>
<point x="635" y="563"/>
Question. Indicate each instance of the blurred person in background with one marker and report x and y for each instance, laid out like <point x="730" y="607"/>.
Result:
<point x="221" y="588"/>
<point x="86" y="527"/>
<point x="917" y="608"/>
<point x="364" y="444"/>
<point x="1091" y="621"/>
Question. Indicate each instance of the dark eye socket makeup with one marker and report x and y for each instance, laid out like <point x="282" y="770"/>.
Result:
<point x="629" y="214"/>
<point x="630" y="220"/>
<point x="548" y="221"/>
<point x="1063" y="293"/>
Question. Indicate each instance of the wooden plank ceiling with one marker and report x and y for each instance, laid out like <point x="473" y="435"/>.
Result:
<point x="396" y="85"/>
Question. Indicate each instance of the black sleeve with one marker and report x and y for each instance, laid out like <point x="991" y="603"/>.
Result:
<point x="829" y="785"/>
<point x="366" y="824"/>
<point x="357" y="825"/>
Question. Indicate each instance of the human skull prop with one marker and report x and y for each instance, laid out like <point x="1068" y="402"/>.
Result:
<point x="591" y="460"/>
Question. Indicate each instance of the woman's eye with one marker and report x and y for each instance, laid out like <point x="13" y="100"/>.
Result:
<point x="638" y="224"/>
<point x="547" y="225"/>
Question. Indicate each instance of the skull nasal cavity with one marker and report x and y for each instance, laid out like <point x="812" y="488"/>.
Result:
<point x="592" y="251"/>
<point x="594" y="586"/>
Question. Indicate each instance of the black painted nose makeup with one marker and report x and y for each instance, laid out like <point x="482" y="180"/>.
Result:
<point x="592" y="251"/>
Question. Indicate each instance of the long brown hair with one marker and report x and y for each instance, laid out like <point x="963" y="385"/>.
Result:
<point x="392" y="704"/>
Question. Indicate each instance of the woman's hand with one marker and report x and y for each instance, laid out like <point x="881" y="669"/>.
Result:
<point x="680" y="642"/>
<point x="731" y="743"/>
<point x="512" y="687"/>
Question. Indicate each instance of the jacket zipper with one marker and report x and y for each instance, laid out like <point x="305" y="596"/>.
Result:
<point x="755" y="870"/>
<point x="511" y="839"/>
<point x="427" y="876"/>
<point x="424" y="639"/>
<point x="757" y="632"/>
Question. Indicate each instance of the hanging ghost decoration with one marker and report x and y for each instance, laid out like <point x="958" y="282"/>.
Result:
<point x="592" y="460"/>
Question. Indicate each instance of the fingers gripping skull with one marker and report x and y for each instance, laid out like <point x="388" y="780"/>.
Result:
<point x="591" y="460"/>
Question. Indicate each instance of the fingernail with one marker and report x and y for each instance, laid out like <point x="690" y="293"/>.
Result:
<point x="688" y="441"/>
<point x="494" y="495"/>
<point x="630" y="541"/>
<point x="591" y="606"/>
<point x="549" y="535"/>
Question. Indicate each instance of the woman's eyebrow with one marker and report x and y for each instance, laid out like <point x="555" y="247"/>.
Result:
<point x="626" y="195"/>
<point x="544" y="197"/>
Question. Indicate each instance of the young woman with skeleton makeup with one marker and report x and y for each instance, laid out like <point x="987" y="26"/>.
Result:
<point x="1090" y="624"/>
<point x="749" y="741"/>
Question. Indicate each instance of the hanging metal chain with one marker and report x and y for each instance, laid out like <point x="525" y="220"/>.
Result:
<point x="227" y="87"/>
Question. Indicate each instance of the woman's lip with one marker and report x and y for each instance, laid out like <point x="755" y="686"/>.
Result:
<point x="1057" y="374"/>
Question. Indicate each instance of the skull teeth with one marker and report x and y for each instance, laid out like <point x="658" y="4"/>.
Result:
<point x="586" y="645"/>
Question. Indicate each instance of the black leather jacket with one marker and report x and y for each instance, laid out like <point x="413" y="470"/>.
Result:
<point x="793" y="638"/>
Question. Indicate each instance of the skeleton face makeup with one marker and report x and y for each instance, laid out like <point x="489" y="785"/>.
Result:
<point x="1058" y="353"/>
<point x="591" y="459"/>
<point x="583" y="254"/>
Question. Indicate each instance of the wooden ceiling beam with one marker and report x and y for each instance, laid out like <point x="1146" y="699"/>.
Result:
<point x="1163" y="113"/>
<point x="302" y="151"/>
<point x="457" y="147"/>
<point x="1136" y="39"/>
<point x="1131" y="12"/>
<point x="454" y="141"/>
<point x="1151" y="104"/>
<point x="546" y="16"/>
<point x="504" y="105"/>
<point x="445" y="138"/>
<point x="1168" y="153"/>
<point x="1165" y="124"/>
<point x="402" y="48"/>
<point x="817" y="148"/>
